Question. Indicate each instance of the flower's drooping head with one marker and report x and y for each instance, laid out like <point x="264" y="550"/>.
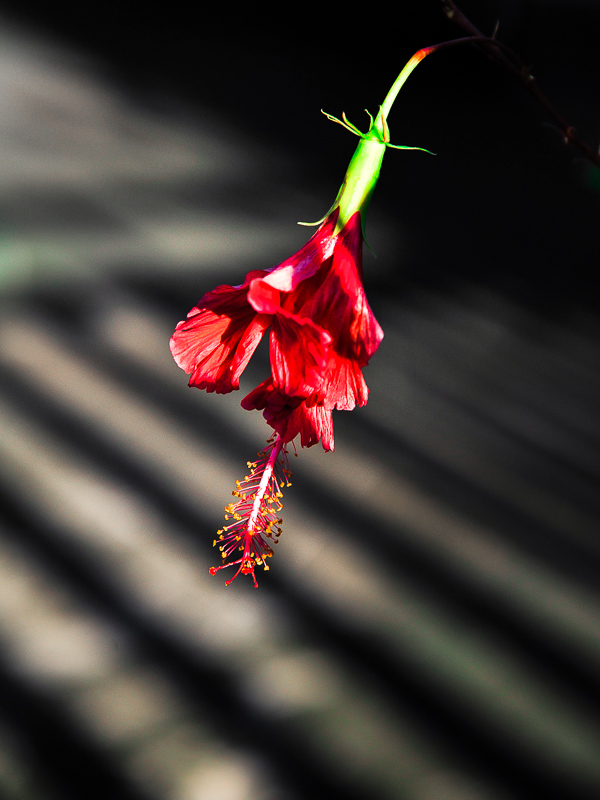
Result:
<point x="322" y="333"/>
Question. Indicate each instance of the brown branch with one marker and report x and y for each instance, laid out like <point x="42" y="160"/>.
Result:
<point x="511" y="61"/>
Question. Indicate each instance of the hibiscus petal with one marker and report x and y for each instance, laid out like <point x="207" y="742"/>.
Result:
<point x="316" y="424"/>
<point x="363" y="333"/>
<point x="218" y="338"/>
<point x="345" y="386"/>
<point x="298" y="354"/>
<point x="334" y="298"/>
<point x="298" y="346"/>
<point x="265" y="394"/>
<point x="290" y="416"/>
<point x="303" y="264"/>
<point x="263" y="297"/>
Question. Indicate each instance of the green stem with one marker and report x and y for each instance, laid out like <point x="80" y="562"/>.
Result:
<point x="401" y="80"/>
<point x="363" y="171"/>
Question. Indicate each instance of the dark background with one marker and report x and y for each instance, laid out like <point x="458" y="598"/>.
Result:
<point x="503" y="199"/>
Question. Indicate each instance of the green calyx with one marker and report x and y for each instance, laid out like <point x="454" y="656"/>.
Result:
<point x="364" y="168"/>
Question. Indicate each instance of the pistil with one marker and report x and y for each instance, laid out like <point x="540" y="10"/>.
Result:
<point x="255" y="514"/>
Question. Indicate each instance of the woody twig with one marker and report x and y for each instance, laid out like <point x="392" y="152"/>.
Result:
<point x="508" y="59"/>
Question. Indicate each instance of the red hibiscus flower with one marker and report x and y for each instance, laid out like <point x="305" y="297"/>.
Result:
<point x="322" y="334"/>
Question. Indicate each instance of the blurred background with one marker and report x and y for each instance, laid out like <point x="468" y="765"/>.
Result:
<point x="430" y="625"/>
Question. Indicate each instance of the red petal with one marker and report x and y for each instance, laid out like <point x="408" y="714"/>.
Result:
<point x="263" y="297"/>
<point x="316" y="424"/>
<point x="298" y="354"/>
<point x="364" y="332"/>
<point x="268" y="397"/>
<point x="291" y="416"/>
<point x="298" y="346"/>
<point x="334" y="298"/>
<point x="344" y="386"/>
<point x="303" y="264"/>
<point x="218" y="338"/>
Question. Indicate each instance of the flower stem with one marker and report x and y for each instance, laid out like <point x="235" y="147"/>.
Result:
<point x="401" y="79"/>
<point x="418" y="57"/>
<point x="363" y="171"/>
